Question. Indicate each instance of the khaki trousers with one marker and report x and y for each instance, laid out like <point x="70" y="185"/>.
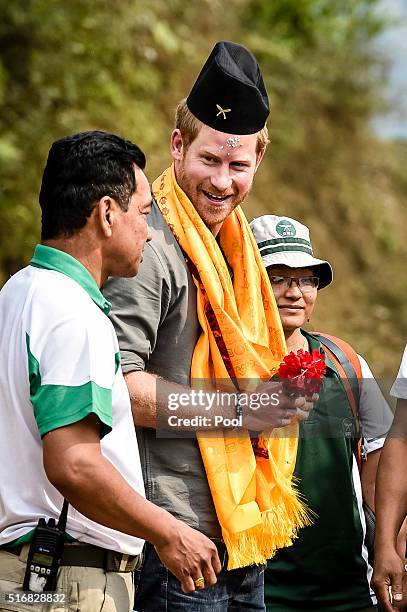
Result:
<point x="87" y="589"/>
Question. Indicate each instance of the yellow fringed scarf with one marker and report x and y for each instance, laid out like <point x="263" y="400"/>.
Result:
<point x="256" y="504"/>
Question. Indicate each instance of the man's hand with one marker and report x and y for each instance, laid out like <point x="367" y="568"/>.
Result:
<point x="189" y="555"/>
<point x="391" y="511"/>
<point x="388" y="573"/>
<point x="75" y="465"/>
<point x="279" y="410"/>
<point x="402" y="540"/>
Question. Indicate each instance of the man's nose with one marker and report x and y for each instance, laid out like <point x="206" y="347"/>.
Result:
<point x="221" y="179"/>
<point x="149" y="234"/>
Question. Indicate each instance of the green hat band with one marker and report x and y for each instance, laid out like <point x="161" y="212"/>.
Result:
<point x="275" y="245"/>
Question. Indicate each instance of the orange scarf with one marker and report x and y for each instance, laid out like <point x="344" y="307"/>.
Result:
<point x="255" y="501"/>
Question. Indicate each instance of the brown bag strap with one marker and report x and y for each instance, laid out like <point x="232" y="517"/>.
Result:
<point x="348" y="365"/>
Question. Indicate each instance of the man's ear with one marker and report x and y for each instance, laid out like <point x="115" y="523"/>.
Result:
<point x="105" y="211"/>
<point x="259" y="157"/>
<point x="177" y="145"/>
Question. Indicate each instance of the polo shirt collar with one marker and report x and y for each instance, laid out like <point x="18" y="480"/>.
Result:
<point x="53" y="259"/>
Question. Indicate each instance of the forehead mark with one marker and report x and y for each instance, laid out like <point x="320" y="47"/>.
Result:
<point x="231" y="143"/>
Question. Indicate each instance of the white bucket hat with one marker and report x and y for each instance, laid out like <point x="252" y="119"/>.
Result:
<point x="285" y="242"/>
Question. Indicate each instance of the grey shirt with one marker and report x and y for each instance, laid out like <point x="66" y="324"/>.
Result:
<point x="156" y="321"/>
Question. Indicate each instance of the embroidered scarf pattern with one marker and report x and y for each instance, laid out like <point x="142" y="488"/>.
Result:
<point x="255" y="500"/>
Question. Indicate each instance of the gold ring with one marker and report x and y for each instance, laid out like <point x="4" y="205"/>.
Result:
<point x="200" y="583"/>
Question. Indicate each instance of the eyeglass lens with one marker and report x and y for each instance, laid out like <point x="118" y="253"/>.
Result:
<point x="304" y="283"/>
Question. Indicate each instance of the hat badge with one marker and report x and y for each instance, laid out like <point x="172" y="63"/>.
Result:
<point x="285" y="228"/>
<point x="222" y="111"/>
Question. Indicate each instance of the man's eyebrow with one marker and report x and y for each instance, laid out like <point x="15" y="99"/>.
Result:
<point x="244" y="158"/>
<point x="205" y="151"/>
<point x="146" y="206"/>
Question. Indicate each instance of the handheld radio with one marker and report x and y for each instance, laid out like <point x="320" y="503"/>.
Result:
<point x="44" y="556"/>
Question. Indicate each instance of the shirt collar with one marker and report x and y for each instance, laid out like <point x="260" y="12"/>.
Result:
<point x="314" y="343"/>
<point x="53" y="259"/>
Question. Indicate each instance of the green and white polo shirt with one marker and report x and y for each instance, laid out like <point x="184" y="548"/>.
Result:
<point x="59" y="362"/>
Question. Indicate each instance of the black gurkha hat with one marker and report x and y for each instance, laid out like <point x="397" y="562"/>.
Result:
<point x="229" y="94"/>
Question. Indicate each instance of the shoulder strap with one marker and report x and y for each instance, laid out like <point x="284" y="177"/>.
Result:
<point x="347" y="361"/>
<point x="348" y="365"/>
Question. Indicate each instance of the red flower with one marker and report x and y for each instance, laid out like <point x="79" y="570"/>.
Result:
<point x="305" y="371"/>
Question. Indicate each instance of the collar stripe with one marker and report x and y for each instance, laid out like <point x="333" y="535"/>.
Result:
<point x="50" y="258"/>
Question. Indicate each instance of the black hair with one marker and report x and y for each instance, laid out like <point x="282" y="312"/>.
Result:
<point x="80" y="170"/>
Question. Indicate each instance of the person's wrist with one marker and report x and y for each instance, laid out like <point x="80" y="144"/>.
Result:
<point x="385" y="543"/>
<point x="167" y="531"/>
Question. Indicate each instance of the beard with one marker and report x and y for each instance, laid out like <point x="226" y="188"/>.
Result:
<point x="213" y="214"/>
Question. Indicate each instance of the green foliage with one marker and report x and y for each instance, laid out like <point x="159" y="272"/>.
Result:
<point x="68" y="67"/>
<point x="122" y="66"/>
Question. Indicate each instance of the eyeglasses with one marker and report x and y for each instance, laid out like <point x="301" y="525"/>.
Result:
<point x="305" y="284"/>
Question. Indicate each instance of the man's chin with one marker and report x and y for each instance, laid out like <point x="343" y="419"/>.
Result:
<point x="218" y="213"/>
<point x="213" y="220"/>
<point x="131" y="271"/>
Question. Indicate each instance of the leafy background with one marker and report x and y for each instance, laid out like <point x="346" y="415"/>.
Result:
<point x="122" y="66"/>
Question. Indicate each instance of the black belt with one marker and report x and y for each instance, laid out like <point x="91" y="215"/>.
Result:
<point x="87" y="555"/>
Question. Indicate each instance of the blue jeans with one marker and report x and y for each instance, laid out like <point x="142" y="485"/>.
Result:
<point x="157" y="590"/>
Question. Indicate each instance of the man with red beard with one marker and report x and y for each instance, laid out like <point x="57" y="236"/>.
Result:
<point x="202" y="308"/>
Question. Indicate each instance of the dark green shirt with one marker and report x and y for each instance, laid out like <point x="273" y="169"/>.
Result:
<point x="325" y="568"/>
